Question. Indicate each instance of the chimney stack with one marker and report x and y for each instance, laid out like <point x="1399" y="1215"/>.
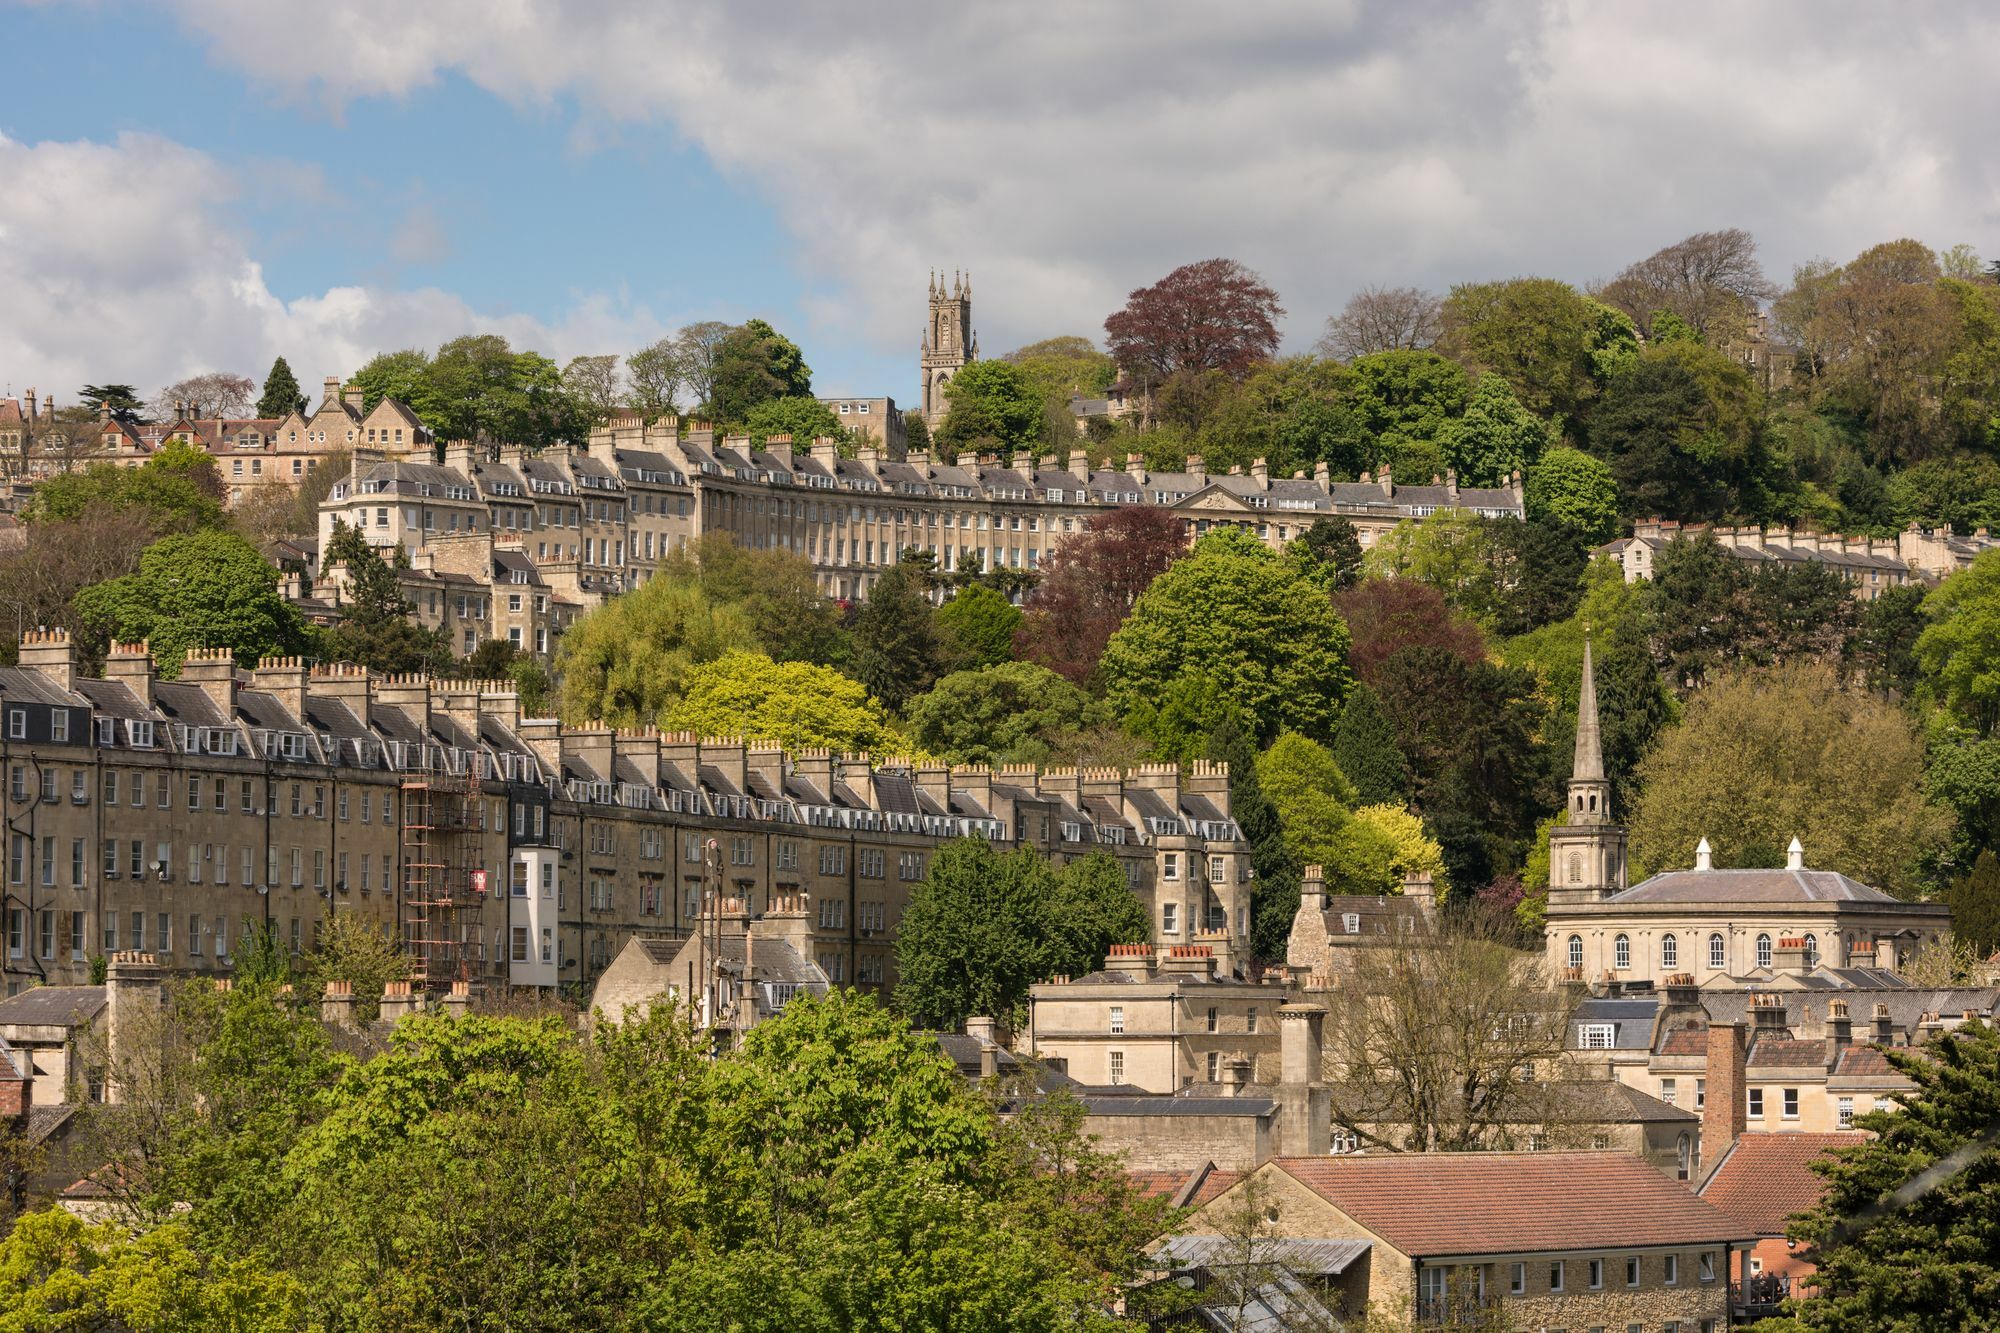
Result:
<point x="1839" y="1026"/>
<point x="1305" y="1103"/>
<point x="1885" y="1027"/>
<point x="397" y="1001"/>
<point x="336" y="1004"/>
<point x="51" y="655"/>
<point x="132" y="998"/>
<point x="458" y="1002"/>
<point x="1724" y="1109"/>
<point x="1134" y="960"/>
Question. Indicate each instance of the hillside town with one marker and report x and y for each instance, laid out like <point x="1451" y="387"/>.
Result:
<point x="1394" y="724"/>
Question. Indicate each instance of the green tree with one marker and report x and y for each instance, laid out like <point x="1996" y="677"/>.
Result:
<point x="776" y="590"/>
<point x="1013" y="712"/>
<point x="1769" y="754"/>
<point x="118" y="400"/>
<point x="627" y="662"/>
<point x="1495" y="438"/>
<point x="1061" y="368"/>
<point x="654" y="377"/>
<point x="1538" y="575"/>
<point x="982" y="624"/>
<point x="991" y="400"/>
<point x="375" y="628"/>
<point x="364" y="953"/>
<point x="1683" y="428"/>
<point x="1900" y="1236"/>
<point x="1975" y="905"/>
<point x="176" y="490"/>
<point x="794" y="703"/>
<point x="1382" y="844"/>
<point x="1244" y="620"/>
<point x="1451" y="551"/>
<point x="1364" y="748"/>
<point x="755" y="363"/>
<point x="899" y="649"/>
<point x="983" y="926"/>
<point x="206" y="589"/>
<point x="282" y="395"/>
<point x="1275" y="872"/>
<point x="1957" y="652"/>
<point x="1554" y="345"/>
<point x="1329" y="552"/>
<point x="58" y="1272"/>
<point x="1314" y="800"/>
<point x="805" y="419"/>
<point x="1572" y="489"/>
<point x="401" y="375"/>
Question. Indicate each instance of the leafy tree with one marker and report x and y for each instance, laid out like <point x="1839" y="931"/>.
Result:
<point x="916" y="431"/>
<point x="1495" y="438"/>
<point x="1538" y="573"/>
<point x="776" y="590"/>
<point x="1365" y="750"/>
<point x="804" y="419"/>
<point x="592" y="385"/>
<point x="1381" y="845"/>
<point x="1313" y="799"/>
<point x="1551" y="343"/>
<point x="1573" y="490"/>
<point x="900" y="651"/>
<point x="627" y="662"/>
<point x="1274" y="886"/>
<point x="1975" y="905"/>
<point x="1291" y="412"/>
<point x="117" y="399"/>
<point x="1244" y="621"/>
<point x="699" y="346"/>
<point x="1956" y="652"/>
<point x="282" y="395"/>
<point x="1329" y="552"/>
<point x="1962" y="772"/>
<point x="1385" y="616"/>
<point x="375" y="627"/>
<point x="54" y="561"/>
<point x="794" y="703"/>
<point x="1090" y="581"/>
<point x="364" y="953"/>
<point x="1012" y="712"/>
<point x="60" y="1272"/>
<point x="400" y="375"/>
<point x="653" y="378"/>
<point x="1381" y="319"/>
<point x="991" y="400"/>
<point x="1391" y="397"/>
<point x="1769" y="754"/>
<point x="197" y="590"/>
<point x="982" y="623"/>
<point x="1211" y="315"/>
<point x="1899" y="1237"/>
<point x="983" y="926"/>
<point x="752" y="363"/>
<point x="1451" y="551"/>
<point x="176" y="490"/>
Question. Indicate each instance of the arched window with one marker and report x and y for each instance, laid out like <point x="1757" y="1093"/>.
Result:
<point x="1683" y="1158"/>
<point x="1621" y="953"/>
<point x="1763" y="951"/>
<point x="1576" y="951"/>
<point x="1576" y="867"/>
<point x="1715" y="951"/>
<point x="1670" y="951"/>
<point x="1812" y="951"/>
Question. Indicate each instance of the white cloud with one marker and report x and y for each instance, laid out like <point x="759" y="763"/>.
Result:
<point x="119" y="263"/>
<point x="1066" y="153"/>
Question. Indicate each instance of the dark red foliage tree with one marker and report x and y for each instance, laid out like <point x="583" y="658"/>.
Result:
<point x="1214" y="315"/>
<point x="1386" y="616"/>
<point x="1089" y="583"/>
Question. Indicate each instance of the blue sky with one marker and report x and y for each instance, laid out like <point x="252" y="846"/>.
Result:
<point x="202" y="184"/>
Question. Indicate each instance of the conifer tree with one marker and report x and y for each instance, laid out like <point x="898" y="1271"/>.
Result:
<point x="1975" y="905"/>
<point x="899" y="651"/>
<point x="1364" y="746"/>
<point x="281" y="392"/>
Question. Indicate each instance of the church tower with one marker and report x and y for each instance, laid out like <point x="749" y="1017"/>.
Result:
<point x="1587" y="854"/>
<point x="949" y="342"/>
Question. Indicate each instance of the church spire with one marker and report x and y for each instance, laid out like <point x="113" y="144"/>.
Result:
<point x="1589" y="765"/>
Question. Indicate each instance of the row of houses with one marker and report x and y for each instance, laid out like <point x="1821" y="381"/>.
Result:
<point x="1870" y="565"/>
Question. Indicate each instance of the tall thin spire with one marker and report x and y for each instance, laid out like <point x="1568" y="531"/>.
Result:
<point x="1589" y="766"/>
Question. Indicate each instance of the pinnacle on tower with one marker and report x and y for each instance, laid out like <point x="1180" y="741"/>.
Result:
<point x="1589" y="765"/>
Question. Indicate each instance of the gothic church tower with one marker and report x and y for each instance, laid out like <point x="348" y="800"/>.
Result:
<point x="949" y="342"/>
<point x="1587" y="854"/>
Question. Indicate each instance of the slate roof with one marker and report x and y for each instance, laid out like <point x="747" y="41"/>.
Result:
<point x="1765" y="1178"/>
<point x="1307" y="1258"/>
<point x="53" y="1006"/>
<point x="1512" y="1203"/>
<point x="1753" y="886"/>
<point x="1158" y="1104"/>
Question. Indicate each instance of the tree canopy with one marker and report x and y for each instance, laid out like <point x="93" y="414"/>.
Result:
<point x="208" y="589"/>
<point x="629" y="661"/>
<point x="1211" y="315"/>
<point x="794" y="703"/>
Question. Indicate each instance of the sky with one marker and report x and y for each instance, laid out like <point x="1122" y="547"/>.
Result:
<point x="193" y="185"/>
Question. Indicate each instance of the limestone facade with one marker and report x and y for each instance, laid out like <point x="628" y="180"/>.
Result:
<point x="171" y="815"/>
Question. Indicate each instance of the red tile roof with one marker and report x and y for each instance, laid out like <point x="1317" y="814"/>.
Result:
<point x="1787" y="1053"/>
<point x="1765" y="1178"/>
<point x="1429" y="1204"/>
<point x="1685" y="1041"/>
<point x="1865" y="1061"/>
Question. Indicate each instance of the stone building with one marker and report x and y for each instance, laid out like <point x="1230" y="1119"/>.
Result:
<point x="1761" y="1181"/>
<point x="874" y="421"/>
<point x="1723" y="927"/>
<point x="1159" y="1022"/>
<point x="949" y="344"/>
<point x="735" y="971"/>
<point x="170" y="816"/>
<point x="1529" y="1240"/>
<point x="1871" y="565"/>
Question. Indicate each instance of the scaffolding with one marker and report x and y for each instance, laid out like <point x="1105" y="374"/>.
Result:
<point x="441" y="877"/>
